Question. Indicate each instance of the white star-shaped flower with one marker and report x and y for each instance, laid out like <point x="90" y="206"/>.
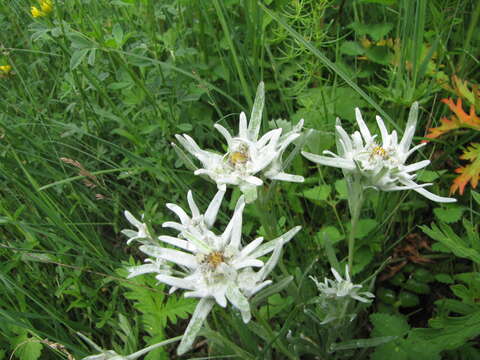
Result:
<point x="380" y="165"/>
<point x="248" y="158"/>
<point x="341" y="288"/>
<point x="216" y="268"/>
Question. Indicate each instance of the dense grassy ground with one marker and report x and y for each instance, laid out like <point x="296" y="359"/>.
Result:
<point x="95" y="95"/>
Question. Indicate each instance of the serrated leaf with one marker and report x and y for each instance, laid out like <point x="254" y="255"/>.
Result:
<point x="460" y="120"/>
<point x="176" y="308"/>
<point x="429" y="175"/>
<point x="449" y="333"/>
<point x="27" y="348"/>
<point x="363" y="257"/>
<point x="332" y="232"/>
<point x="445" y="234"/>
<point x="317" y="194"/>
<point x="389" y="325"/>
<point x="462" y="88"/>
<point x="341" y="188"/>
<point x="448" y="214"/>
<point x="364" y="227"/>
<point x="469" y="173"/>
<point x="376" y="31"/>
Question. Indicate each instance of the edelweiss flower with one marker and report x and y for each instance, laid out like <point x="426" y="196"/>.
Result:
<point x="379" y="165"/>
<point x="247" y="155"/>
<point x="215" y="268"/>
<point x="340" y="288"/>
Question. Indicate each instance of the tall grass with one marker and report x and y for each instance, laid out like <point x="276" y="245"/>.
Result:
<point x="97" y="92"/>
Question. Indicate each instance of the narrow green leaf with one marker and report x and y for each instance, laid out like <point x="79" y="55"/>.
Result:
<point x="361" y="343"/>
<point x="77" y="58"/>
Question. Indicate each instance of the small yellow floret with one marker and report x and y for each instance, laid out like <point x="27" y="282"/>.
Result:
<point x="5" y="69"/>
<point x="36" y="12"/>
<point x="214" y="259"/>
<point x="46" y="6"/>
<point x="238" y="157"/>
<point x="378" y="150"/>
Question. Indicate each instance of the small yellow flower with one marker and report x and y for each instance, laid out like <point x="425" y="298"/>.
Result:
<point x="46" y="7"/>
<point x="36" y="12"/>
<point x="5" y="69"/>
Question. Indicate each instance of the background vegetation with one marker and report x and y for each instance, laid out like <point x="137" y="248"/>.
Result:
<point x="96" y="92"/>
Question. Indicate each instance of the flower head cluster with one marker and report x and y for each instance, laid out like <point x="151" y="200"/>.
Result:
<point x="335" y="296"/>
<point x="46" y="7"/>
<point x="214" y="268"/>
<point x="341" y="288"/>
<point x="247" y="156"/>
<point x="378" y="164"/>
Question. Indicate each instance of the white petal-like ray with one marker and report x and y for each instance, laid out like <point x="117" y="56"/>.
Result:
<point x="225" y="134"/>
<point x="212" y="210"/>
<point x="335" y="162"/>
<point x="192" y="205"/>
<point x="362" y="126"/>
<point x="242" y="133"/>
<point x="182" y="215"/>
<point x="383" y="131"/>
<point x="182" y="244"/>
<point x="416" y="166"/>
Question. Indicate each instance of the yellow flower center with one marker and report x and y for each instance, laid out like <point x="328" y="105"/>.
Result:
<point x="214" y="259"/>
<point x="379" y="151"/>
<point x="238" y="157"/>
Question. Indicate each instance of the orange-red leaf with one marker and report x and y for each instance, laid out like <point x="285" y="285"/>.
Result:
<point x="469" y="173"/>
<point x="460" y="120"/>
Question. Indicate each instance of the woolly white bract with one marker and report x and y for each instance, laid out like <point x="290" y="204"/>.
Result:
<point x="340" y="288"/>
<point x="247" y="156"/>
<point x="378" y="165"/>
<point x="214" y="268"/>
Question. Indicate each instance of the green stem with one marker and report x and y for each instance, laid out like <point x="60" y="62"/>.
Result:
<point x="355" y="203"/>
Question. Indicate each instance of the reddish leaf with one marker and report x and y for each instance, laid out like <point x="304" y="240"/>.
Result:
<point x="469" y="173"/>
<point x="461" y="120"/>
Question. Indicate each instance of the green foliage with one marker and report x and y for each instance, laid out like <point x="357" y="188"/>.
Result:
<point x="99" y="89"/>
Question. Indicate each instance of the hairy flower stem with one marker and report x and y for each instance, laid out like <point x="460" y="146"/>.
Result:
<point x="355" y="203"/>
